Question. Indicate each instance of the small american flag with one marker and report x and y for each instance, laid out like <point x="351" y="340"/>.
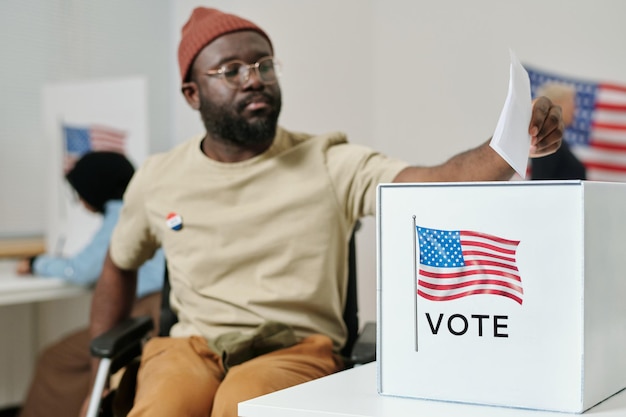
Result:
<point x="82" y="139"/>
<point x="457" y="263"/>
<point x="597" y="135"/>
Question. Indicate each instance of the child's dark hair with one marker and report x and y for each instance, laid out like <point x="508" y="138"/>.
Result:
<point x="99" y="177"/>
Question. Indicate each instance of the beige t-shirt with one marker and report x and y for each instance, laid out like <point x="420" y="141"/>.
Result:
<point x="263" y="239"/>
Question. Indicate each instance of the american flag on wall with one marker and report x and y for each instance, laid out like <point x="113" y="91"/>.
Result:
<point x="458" y="263"/>
<point x="82" y="139"/>
<point x="597" y="135"/>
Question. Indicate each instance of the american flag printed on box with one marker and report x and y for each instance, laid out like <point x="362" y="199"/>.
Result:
<point x="458" y="263"/>
<point x="597" y="135"/>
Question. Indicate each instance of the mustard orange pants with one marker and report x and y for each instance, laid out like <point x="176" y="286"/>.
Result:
<point x="182" y="377"/>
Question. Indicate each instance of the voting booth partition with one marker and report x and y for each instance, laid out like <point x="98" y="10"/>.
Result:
<point x="502" y="293"/>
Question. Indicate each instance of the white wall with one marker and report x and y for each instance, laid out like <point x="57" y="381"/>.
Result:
<point x="455" y="57"/>
<point x="51" y="41"/>
<point x="419" y="80"/>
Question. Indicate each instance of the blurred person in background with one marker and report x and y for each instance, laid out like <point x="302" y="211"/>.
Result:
<point x="62" y="375"/>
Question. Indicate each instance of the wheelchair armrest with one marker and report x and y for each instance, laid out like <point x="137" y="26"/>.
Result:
<point x="364" y="350"/>
<point x="116" y="349"/>
<point x="115" y="341"/>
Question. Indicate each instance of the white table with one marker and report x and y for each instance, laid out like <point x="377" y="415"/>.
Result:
<point x="353" y="393"/>
<point x="16" y="289"/>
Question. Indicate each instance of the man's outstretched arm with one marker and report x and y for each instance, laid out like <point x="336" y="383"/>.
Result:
<point x="483" y="163"/>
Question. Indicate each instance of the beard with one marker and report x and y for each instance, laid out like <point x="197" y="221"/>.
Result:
<point x="228" y="124"/>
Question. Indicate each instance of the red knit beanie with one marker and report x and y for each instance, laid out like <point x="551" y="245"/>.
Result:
<point x="203" y="27"/>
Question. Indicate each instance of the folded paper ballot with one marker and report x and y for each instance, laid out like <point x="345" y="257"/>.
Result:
<point x="511" y="139"/>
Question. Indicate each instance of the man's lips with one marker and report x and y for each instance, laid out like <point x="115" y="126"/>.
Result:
<point x="256" y="103"/>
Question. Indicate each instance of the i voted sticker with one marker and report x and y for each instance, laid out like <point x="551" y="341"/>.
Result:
<point x="174" y="221"/>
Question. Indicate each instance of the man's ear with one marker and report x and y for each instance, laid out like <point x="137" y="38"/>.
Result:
<point x="192" y="94"/>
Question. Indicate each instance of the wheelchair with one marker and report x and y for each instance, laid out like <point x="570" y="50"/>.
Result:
<point x="121" y="346"/>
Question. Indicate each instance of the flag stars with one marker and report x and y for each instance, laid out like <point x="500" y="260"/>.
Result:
<point x="440" y="248"/>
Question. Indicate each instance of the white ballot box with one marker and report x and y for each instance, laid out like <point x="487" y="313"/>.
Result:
<point x="502" y="293"/>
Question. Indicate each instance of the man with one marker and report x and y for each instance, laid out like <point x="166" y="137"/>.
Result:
<point x="255" y="223"/>
<point x="562" y="164"/>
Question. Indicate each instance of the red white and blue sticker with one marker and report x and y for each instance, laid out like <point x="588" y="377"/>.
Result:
<point x="174" y="221"/>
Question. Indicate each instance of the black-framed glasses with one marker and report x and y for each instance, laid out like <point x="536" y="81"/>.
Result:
<point x="237" y="73"/>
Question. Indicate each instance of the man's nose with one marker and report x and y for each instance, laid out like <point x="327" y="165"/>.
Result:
<point x="253" y="78"/>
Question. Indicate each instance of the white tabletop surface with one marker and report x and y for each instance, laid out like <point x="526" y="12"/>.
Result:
<point x="353" y="393"/>
<point x="16" y="289"/>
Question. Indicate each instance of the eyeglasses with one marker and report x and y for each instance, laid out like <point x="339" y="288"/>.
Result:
<point x="237" y="73"/>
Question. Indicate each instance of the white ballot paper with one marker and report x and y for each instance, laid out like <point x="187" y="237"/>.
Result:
<point x="511" y="138"/>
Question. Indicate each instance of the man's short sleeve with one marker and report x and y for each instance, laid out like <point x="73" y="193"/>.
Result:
<point x="133" y="241"/>
<point x="356" y="172"/>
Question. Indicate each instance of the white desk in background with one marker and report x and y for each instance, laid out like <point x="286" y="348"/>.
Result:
<point x="16" y="289"/>
<point x="33" y="313"/>
<point x="353" y="393"/>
